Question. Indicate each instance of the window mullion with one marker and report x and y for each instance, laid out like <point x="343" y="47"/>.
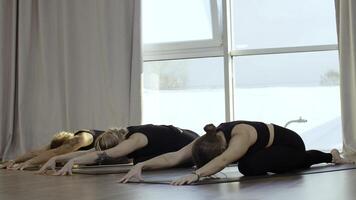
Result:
<point x="228" y="68"/>
<point x="216" y="24"/>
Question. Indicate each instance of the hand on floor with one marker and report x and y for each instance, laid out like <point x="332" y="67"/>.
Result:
<point x="66" y="169"/>
<point x="7" y="164"/>
<point x="188" y="179"/>
<point x="135" y="172"/>
<point x="21" y="166"/>
<point x="50" y="164"/>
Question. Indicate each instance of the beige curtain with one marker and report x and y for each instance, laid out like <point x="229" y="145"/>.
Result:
<point x="7" y="74"/>
<point x="346" y="26"/>
<point x="77" y="65"/>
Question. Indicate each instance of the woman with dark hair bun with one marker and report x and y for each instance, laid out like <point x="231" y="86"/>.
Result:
<point x="138" y="143"/>
<point x="257" y="147"/>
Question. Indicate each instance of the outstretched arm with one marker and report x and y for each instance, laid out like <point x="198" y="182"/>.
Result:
<point x="169" y="159"/>
<point x="70" y="146"/>
<point x="51" y="163"/>
<point x="163" y="161"/>
<point x="68" y="156"/>
<point x="31" y="154"/>
<point x="238" y="146"/>
<point x="136" y="141"/>
<point x="24" y="157"/>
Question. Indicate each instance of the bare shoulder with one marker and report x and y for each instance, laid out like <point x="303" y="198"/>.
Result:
<point x="139" y="138"/>
<point x="244" y="131"/>
<point x="83" y="139"/>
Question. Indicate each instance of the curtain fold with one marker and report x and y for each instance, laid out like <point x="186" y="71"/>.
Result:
<point x="77" y="61"/>
<point x="8" y="18"/>
<point x="136" y="70"/>
<point x="346" y="26"/>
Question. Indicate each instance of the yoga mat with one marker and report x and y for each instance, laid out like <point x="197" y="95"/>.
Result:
<point x="124" y="168"/>
<point x="91" y="169"/>
<point x="326" y="168"/>
<point x="102" y="166"/>
<point x="102" y="169"/>
<point x="231" y="174"/>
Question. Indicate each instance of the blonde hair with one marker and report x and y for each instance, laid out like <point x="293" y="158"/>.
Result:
<point x="60" y="138"/>
<point x="110" y="138"/>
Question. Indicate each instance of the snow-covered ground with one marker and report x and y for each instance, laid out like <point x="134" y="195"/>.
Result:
<point x="193" y="108"/>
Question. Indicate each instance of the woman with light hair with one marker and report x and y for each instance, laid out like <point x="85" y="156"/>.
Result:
<point x="138" y="143"/>
<point x="62" y="143"/>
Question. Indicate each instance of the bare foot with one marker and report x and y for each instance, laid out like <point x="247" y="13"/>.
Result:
<point x="337" y="159"/>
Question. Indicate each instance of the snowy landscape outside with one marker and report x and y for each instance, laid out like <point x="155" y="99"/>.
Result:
<point x="274" y="88"/>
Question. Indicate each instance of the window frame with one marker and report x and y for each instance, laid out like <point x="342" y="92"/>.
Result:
<point x="230" y="54"/>
<point x="220" y="45"/>
<point x="190" y="49"/>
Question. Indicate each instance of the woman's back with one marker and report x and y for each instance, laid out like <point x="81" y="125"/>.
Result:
<point x="161" y="139"/>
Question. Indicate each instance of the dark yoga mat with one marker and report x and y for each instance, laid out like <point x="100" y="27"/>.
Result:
<point x="123" y="168"/>
<point x="231" y="174"/>
<point x="93" y="169"/>
<point x="103" y="169"/>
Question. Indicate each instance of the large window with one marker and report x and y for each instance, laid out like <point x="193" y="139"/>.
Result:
<point x="188" y="93"/>
<point x="181" y="29"/>
<point x="183" y="72"/>
<point x="282" y="23"/>
<point x="279" y="88"/>
<point x="286" y="69"/>
<point x="210" y="61"/>
<point x="177" y="25"/>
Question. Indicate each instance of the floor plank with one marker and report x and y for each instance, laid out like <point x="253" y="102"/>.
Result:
<point x="18" y="185"/>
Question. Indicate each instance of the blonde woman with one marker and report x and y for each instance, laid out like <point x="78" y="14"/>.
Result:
<point x="138" y="143"/>
<point x="62" y="143"/>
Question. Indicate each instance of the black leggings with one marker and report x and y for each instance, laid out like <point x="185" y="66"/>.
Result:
<point x="287" y="153"/>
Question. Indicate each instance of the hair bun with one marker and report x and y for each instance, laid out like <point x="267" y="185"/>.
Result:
<point x="210" y="129"/>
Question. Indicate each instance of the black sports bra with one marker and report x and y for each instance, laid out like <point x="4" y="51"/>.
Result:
<point x="261" y="128"/>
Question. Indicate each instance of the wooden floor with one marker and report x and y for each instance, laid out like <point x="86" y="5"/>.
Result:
<point x="16" y="185"/>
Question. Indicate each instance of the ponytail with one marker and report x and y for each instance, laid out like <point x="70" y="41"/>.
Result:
<point x="210" y="130"/>
<point x="207" y="147"/>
